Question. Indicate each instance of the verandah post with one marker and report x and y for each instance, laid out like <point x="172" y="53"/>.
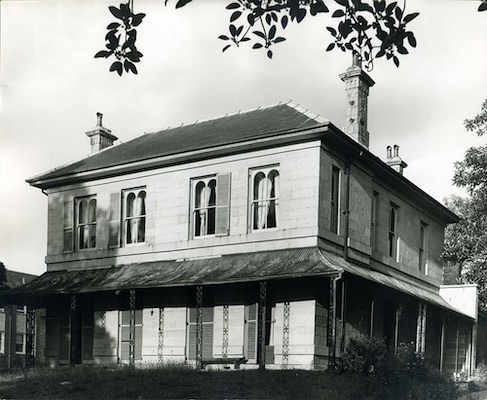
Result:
<point x="199" y="327"/>
<point x="132" y="327"/>
<point x="262" y="313"/>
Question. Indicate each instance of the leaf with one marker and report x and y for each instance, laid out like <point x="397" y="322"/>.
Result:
<point x="113" y="25"/>
<point x="398" y="13"/>
<point x="124" y="8"/>
<point x="396" y="61"/>
<point x="134" y="55"/>
<point x="233" y="30"/>
<point x="410" y="17"/>
<point x="338" y="14"/>
<point x="103" y="54"/>
<point x="257" y="46"/>
<point x="343" y="3"/>
<point x="232" y="6"/>
<point x="182" y="3"/>
<point x="130" y="67"/>
<point x="269" y="53"/>
<point x="379" y="5"/>
<point x="259" y="34"/>
<point x="483" y="6"/>
<point x="226" y="47"/>
<point x="268" y="19"/>
<point x="318" y="7"/>
<point x="235" y="15"/>
<point x="137" y="19"/>
<point x="330" y="47"/>
<point x="117" y="66"/>
<point x="411" y="39"/>
<point x="115" y="12"/>
<point x="223" y="37"/>
<point x="284" y="21"/>
<point x="380" y="54"/>
<point x="274" y="16"/>
<point x="272" y="32"/>
<point x="332" y="30"/>
<point x="250" y="19"/>
<point x="390" y="8"/>
<point x="279" y="39"/>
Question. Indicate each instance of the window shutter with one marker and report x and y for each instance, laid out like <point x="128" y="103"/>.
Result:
<point x="251" y="313"/>
<point x="192" y="334"/>
<point x="114" y="229"/>
<point x="207" y="345"/>
<point x="223" y="205"/>
<point x="68" y="226"/>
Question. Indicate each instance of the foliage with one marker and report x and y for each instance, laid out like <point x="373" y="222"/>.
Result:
<point x="125" y="52"/>
<point x="465" y="242"/>
<point x="3" y="274"/>
<point x="365" y="355"/>
<point x="183" y="382"/>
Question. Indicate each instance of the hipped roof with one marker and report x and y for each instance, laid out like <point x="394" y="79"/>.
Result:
<point x="225" y="269"/>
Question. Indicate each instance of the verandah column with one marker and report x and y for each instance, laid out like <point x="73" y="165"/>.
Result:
<point x="199" y="327"/>
<point x="421" y="329"/>
<point x="74" y="341"/>
<point x="30" y="338"/>
<point x="132" y="300"/>
<point x="262" y="314"/>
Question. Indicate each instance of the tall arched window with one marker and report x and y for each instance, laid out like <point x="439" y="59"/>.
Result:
<point x="135" y="216"/>
<point x="86" y="223"/>
<point x="204" y="206"/>
<point x="264" y="198"/>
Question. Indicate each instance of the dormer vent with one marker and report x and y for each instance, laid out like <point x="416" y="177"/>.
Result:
<point x="100" y="137"/>
<point x="394" y="161"/>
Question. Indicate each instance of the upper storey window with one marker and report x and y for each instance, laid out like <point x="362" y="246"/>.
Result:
<point x="86" y="223"/>
<point x="210" y="205"/>
<point x="335" y="200"/>
<point x="423" y="258"/>
<point x="264" y="197"/>
<point x="204" y="206"/>
<point x="134" y="216"/>
<point x="393" y="236"/>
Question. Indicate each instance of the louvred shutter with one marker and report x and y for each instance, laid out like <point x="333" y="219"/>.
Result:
<point x="68" y="226"/>
<point x="114" y="229"/>
<point x="223" y="205"/>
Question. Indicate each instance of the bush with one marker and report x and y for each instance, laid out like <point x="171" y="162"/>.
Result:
<point x="365" y="355"/>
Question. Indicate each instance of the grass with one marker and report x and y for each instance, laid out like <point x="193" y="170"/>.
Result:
<point x="181" y="382"/>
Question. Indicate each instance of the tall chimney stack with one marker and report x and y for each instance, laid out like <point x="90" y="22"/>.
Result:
<point x="357" y="84"/>
<point x="100" y="137"/>
<point x="394" y="161"/>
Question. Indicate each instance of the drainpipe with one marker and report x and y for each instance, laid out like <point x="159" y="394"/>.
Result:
<point x="348" y="166"/>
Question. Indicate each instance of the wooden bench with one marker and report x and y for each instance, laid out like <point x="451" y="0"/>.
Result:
<point x="224" y="360"/>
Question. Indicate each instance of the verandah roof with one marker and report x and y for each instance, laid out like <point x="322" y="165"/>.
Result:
<point x="232" y="268"/>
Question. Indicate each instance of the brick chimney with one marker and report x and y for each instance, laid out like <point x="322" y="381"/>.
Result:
<point x="100" y="137"/>
<point x="357" y="84"/>
<point x="394" y="161"/>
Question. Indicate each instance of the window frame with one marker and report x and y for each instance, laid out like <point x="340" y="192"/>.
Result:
<point x="142" y="217"/>
<point x="210" y="207"/>
<point x="266" y="171"/>
<point x="90" y="225"/>
<point x="24" y="343"/>
<point x="374" y="231"/>
<point x="335" y="200"/>
<point x="393" y="234"/>
<point x="422" y="249"/>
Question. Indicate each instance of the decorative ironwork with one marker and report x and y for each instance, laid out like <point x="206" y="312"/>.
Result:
<point x="421" y="329"/>
<point x="285" y="332"/>
<point x="30" y="338"/>
<point x="331" y="323"/>
<point x="72" y="303"/>
<point x="199" y="326"/>
<point x="132" y="327"/>
<point x="262" y="330"/>
<point x="160" y="345"/>
<point x="226" y="313"/>
<point x="103" y="318"/>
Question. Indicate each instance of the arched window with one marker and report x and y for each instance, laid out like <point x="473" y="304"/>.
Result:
<point x="265" y="198"/>
<point x="86" y="223"/>
<point x="135" y="216"/>
<point x="204" y="206"/>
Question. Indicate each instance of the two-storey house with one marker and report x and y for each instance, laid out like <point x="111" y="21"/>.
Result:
<point x="263" y="238"/>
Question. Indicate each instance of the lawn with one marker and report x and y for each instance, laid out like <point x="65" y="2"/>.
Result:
<point x="180" y="382"/>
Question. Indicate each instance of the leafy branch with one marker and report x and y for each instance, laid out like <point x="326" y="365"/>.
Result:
<point x="125" y="52"/>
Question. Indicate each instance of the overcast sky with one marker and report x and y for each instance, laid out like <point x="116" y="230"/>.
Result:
<point x="52" y="88"/>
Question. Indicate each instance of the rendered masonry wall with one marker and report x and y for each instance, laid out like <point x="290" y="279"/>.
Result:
<point x="168" y="234"/>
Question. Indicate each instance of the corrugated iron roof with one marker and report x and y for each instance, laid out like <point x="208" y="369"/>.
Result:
<point x="234" y="268"/>
<point x="255" y="124"/>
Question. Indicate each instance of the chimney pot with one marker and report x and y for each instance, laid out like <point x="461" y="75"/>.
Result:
<point x="389" y="152"/>
<point x="99" y="117"/>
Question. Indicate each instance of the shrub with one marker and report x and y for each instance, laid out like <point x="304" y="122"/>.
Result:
<point x="365" y="355"/>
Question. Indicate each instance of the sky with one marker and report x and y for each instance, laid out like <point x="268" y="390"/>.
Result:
<point x="52" y="88"/>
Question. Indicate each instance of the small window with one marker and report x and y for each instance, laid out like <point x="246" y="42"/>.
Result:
<point x="20" y="343"/>
<point x="204" y="206"/>
<point x="134" y="216"/>
<point x="86" y="223"/>
<point x="423" y="258"/>
<point x="393" y="236"/>
<point x="335" y="200"/>
<point x="264" y="198"/>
